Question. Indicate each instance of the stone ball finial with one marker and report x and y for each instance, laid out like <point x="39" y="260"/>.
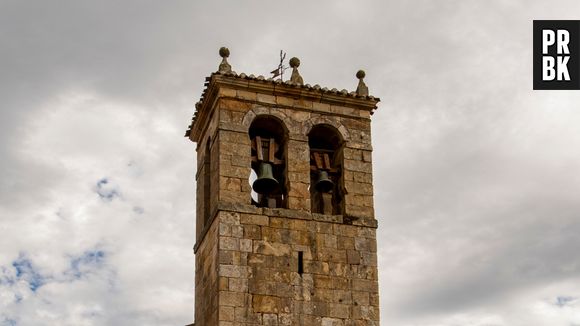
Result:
<point x="224" y="66"/>
<point x="224" y="52"/>
<point x="294" y="62"/>
<point x="362" y="88"/>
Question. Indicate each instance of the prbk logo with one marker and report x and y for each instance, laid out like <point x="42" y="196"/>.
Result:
<point x="557" y="54"/>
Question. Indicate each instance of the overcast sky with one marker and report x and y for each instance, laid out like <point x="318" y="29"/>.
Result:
<point x="477" y="176"/>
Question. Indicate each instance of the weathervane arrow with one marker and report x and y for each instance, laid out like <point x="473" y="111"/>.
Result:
<point x="280" y="70"/>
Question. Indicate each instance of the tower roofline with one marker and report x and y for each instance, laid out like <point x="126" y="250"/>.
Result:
<point x="217" y="83"/>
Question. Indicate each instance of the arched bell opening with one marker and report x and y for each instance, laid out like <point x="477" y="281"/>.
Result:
<point x="268" y="137"/>
<point x="326" y="184"/>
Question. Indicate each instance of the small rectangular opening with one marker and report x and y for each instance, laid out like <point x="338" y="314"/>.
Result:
<point x="300" y="262"/>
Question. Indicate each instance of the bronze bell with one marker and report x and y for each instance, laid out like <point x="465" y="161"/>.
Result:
<point x="324" y="184"/>
<point x="266" y="183"/>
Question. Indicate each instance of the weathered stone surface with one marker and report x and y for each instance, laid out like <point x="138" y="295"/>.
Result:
<point x="234" y="105"/>
<point x="247" y="261"/>
<point x="265" y="98"/>
<point x="230" y="184"/>
<point x="233" y="299"/>
<point x="238" y="285"/>
<point x="246" y="245"/>
<point x="317" y="106"/>
<point x="271" y="249"/>
<point x="245" y="95"/>
<point x="254" y="219"/>
<point x="226" y="313"/>
<point x="234" y="271"/>
<point x="353" y="257"/>
<point x="265" y="303"/>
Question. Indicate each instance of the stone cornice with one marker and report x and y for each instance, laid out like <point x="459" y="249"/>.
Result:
<point x="218" y="83"/>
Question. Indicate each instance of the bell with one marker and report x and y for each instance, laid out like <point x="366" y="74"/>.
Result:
<point x="266" y="183"/>
<point x="324" y="184"/>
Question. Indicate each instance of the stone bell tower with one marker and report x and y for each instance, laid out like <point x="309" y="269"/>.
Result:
<point x="285" y="225"/>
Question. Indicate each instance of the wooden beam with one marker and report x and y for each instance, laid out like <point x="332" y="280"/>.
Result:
<point x="259" y="153"/>
<point x="326" y="161"/>
<point x="271" y="150"/>
<point x="318" y="160"/>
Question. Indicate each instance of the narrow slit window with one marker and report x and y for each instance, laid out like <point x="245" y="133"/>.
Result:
<point x="300" y="262"/>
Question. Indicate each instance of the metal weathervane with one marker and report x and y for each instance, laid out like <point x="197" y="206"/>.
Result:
<point x="280" y="70"/>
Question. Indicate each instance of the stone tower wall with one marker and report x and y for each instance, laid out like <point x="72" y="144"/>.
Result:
<point x="247" y="269"/>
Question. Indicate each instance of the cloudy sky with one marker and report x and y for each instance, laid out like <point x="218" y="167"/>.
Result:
<point x="477" y="176"/>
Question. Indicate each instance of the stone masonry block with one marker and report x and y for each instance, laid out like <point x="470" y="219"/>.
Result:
<point x="265" y="98"/>
<point x="361" y="298"/>
<point x="231" y="184"/>
<point x="227" y="92"/>
<point x="254" y="219"/>
<point x="365" y="285"/>
<point x="358" y="188"/>
<point x="321" y="107"/>
<point x="300" y="190"/>
<point x="238" y="285"/>
<point x="252" y="231"/>
<point x="229" y="217"/>
<point x="265" y="303"/>
<point x="357" y="165"/>
<point x="226" y="313"/>
<point x="229" y="243"/>
<point x="344" y="110"/>
<point x="229" y="257"/>
<point x="283" y="100"/>
<point x="354" y="123"/>
<point x="233" y="196"/>
<point x="246" y="245"/>
<point x="237" y="231"/>
<point x="272" y="248"/>
<point x="339" y="310"/>
<point x="327" y="321"/>
<point x="233" y="271"/>
<point x="232" y="299"/>
<point x="245" y="95"/>
<point x="353" y="257"/>
<point x="225" y="230"/>
<point x="234" y="137"/>
<point x="223" y="283"/>
<point x="234" y="105"/>
<point x="270" y="319"/>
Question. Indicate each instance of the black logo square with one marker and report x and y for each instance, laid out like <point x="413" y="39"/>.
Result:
<point x="556" y="54"/>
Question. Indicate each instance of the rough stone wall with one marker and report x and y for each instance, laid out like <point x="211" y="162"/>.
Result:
<point x="206" y="278"/>
<point x="259" y="281"/>
<point x="202" y="170"/>
<point x="207" y="230"/>
<point x="257" y="248"/>
<point x="238" y="108"/>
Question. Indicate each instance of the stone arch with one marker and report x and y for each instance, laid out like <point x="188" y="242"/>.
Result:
<point x="269" y="136"/>
<point x="310" y="123"/>
<point x="326" y="144"/>
<point x="261" y="110"/>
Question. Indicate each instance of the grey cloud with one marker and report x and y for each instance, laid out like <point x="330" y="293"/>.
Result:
<point x="475" y="174"/>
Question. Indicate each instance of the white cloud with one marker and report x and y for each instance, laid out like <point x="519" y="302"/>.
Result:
<point x="476" y="175"/>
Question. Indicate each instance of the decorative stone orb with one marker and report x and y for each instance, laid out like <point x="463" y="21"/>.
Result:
<point x="360" y="74"/>
<point x="224" y="52"/>
<point x="294" y="62"/>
